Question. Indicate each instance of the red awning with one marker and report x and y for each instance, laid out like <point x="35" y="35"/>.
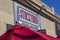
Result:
<point x="19" y="32"/>
<point x="58" y="37"/>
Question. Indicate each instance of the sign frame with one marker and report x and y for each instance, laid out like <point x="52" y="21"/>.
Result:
<point x="16" y="16"/>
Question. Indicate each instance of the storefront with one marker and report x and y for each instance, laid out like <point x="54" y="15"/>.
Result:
<point x="32" y="14"/>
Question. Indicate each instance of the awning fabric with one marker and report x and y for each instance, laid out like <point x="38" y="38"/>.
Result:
<point x="58" y="37"/>
<point x="19" y="32"/>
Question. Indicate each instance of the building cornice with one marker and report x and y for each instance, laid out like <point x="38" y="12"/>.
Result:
<point x="39" y="9"/>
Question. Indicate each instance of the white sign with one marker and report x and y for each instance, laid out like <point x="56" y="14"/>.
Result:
<point x="26" y="17"/>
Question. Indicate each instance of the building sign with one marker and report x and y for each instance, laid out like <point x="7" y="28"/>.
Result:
<point x="26" y="16"/>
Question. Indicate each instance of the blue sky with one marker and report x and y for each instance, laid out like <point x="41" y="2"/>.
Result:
<point x="54" y="3"/>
